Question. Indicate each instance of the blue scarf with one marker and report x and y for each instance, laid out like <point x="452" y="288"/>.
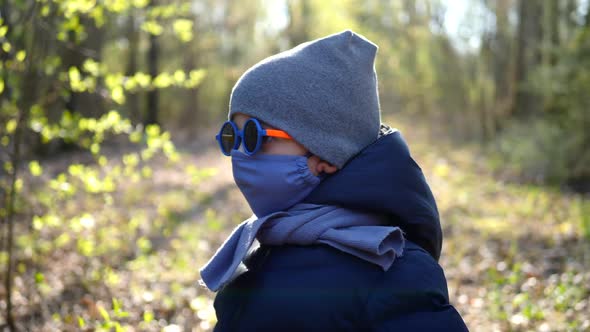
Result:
<point x="356" y="233"/>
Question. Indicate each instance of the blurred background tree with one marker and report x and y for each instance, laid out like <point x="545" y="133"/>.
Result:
<point x="511" y="64"/>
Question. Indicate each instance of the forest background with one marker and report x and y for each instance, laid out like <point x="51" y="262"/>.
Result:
<point x="113" y="193"/>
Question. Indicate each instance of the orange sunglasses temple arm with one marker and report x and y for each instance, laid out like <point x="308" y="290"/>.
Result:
<point x="277" y="133"/>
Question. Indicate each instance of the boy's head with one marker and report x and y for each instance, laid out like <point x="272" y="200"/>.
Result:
<point x="323" y="93"/>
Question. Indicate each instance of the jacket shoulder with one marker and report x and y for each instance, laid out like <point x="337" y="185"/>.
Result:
<point x="412" y="274"/>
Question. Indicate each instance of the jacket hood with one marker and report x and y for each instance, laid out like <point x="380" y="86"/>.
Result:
<point x="383" y="178"/>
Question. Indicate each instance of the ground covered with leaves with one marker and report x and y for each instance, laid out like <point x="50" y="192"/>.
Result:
<point x="117" y="245"/>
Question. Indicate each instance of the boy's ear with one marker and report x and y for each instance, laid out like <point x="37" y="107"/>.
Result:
<point x="317" y="166"/>
<point x="326" y="167"/>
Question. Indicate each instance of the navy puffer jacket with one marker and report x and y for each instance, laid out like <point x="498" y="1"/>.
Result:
<point x="319" y="288"/>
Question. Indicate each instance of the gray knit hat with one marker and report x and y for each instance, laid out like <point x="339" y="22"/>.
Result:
<point x="323" y="93"/>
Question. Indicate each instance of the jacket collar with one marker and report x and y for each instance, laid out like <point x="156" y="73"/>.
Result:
<point x="384" y="179"/>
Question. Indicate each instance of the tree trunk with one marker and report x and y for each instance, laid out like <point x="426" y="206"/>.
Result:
<point x="93" y="104"/>
<point x="133" y="37"/>
<point x="74" y="55"/>
<point x="528" y="56"/>
<point x="71" y="58"/>
<point x="502" y="55"/>
<point x="299" y="22"/>
<point x="410" y="9"/>
<point x="570" y="10"/>
<point x="29" y="87"/>
<point x="553" y="16"/>
<point x="153" y="96"/>
<point x="4" y="56"/>
<point x="190" y="113"/>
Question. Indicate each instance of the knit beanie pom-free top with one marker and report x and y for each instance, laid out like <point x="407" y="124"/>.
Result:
<point x="323" y="93"/>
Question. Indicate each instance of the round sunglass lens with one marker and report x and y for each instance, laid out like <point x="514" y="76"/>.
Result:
<point x="250" y="136"/>
<point x="228" y="137"/>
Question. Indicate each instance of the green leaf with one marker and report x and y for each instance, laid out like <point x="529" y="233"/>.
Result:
<point x="196" y="76"/>
<point x="585" y="217"/>
<point x="142" y="79"/>
<point x="135" y="136"/>
<point x="92" y="67"/>
<point x="98" y="14"/>
<point x="146" y="172"/>
<point x="86" y="248"/>
<point x="152" y="27"/>
<point x="130" y="83"/>
<point x="8" y="166"/>
<point x="62" y="240"/>
<point x="519" y="299"/>
<point x="118" y="327"/>
<point x="95" y="148"/>
<point x="113" y="80"/>
<point x="118" y="309"/>
<point x="118" y="95"/>
<point x="11" y="126"/>
<point x="62" y="36"/>
<point x="131" y="160"/>
<point x="113" y="118"/>
<point x="45" y="10"/>
<point x="144" y="244"/>
<point x="76" y="169"/>
<point x="140" y="3"/>
<point x="116" y="304"/>
<point x="37" y="223"/>
<point x="153" y="130"/>
<point x="104" y="314"/>
<point x="148" y="316"/>
<point x="179" y="76"/>
<point x="21" y="55"/>
<point x="35" y="168"/>
<point x="183" y="29"/>
<point x="75" y="79"/>
<point x="39" y="278"/>
<point x="18" y="185"/>
<point x="116" y="6"/>
<point x="163" y="80"/>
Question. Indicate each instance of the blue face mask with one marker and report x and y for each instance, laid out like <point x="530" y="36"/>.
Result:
<point x="272" y="183"/>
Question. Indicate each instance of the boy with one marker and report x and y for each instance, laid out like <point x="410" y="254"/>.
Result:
<point x="345" y="234"/>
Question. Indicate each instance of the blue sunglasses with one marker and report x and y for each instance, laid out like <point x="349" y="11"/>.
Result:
<point x="230" y="137"/>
